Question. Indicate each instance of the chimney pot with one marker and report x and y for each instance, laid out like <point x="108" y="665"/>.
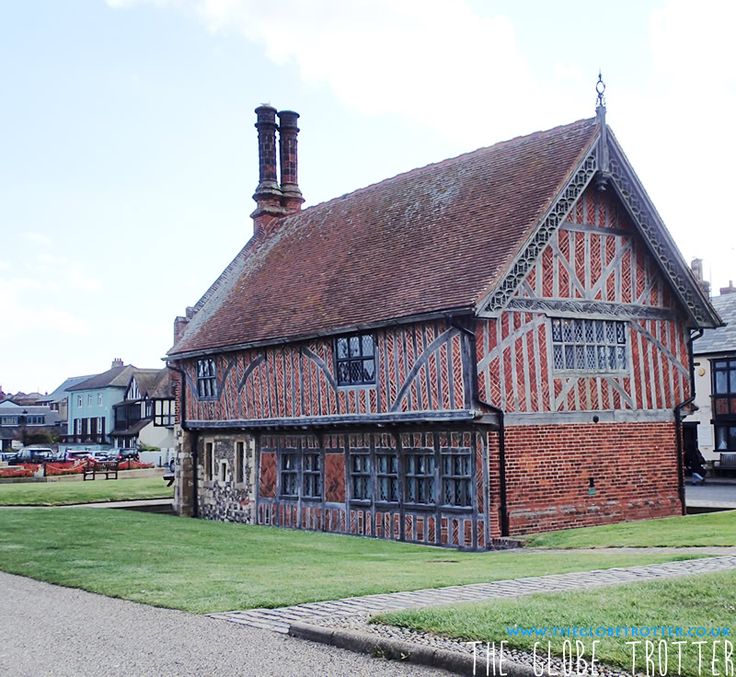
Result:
<point x="292" y="196"/>
<point x="117" y="362"/>
<point x="268" y="195"/>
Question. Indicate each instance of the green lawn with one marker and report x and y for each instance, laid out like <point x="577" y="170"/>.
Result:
<point x="715" y="528"/>
<point x="76" y="491"/>
<point x="203" y="566"/>
<point x="705" y="600"/>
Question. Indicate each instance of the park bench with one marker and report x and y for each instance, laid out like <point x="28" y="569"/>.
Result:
<point x="92" y="468"/>
<point x="727" y="462"/>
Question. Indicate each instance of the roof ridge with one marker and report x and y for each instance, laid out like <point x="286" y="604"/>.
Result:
<point x="432" y="165"/>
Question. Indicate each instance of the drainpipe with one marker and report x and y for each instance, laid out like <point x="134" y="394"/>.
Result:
<point x="502" y="496"/>
<point x="678" y="420"/>
<point x="195" y="450"/>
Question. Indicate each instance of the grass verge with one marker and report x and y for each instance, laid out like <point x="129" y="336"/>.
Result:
<point x="75" y="491"/>
<point x="203" y="566"/>
<point x="707" y="529"/>
<point x="707" y="601"/>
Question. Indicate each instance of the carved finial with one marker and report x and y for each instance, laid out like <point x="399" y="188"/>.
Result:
<point x="603" y="156"/>
<point x="600" y="88"/>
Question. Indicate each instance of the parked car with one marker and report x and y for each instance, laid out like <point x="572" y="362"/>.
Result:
<point x="77" y="455"/>
<point x="127" y="454"/>
<point x="103" y="455"/>
<point x="32" y="455"/>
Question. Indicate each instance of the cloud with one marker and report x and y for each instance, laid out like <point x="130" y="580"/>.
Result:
<point x="428" y="60"/>
<point x="39" y="239"/>
<point x="694" y="43"/>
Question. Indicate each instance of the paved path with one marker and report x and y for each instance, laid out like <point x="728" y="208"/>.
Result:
<point x="53" y="631"/>
<point x="712" y="494"/>
<point x="279" y="620"/>
<point x="136" y="504"/>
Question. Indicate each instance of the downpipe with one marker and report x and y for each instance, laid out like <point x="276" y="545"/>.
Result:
<point x="502" y="494"/>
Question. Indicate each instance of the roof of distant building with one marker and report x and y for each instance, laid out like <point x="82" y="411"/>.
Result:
<point x="721" y="339"/>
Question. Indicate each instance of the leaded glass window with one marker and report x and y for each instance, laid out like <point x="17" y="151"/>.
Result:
<point x="206" y="378"/>
<point x="419" y="476"/>
<point x="456" y="476"/>
<point x="588" y="345"/>
<point x="387" y="476"/>
<point x="355" y="359"/>
<point x="312" y="475"/>
<point x="360" y="475"/>
<point x="289" y="485"/>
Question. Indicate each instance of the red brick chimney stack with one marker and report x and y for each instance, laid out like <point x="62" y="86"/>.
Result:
<point x="268" y="195"/>
<point x="292" y="199"/>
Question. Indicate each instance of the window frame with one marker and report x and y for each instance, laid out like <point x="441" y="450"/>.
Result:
<point x="390" y="475"/>
<point x="416" y="482"/>
<point x="311" y="475"/>
<point x="723" y="403"/>
<point x="207" y="379"/>
<point x="209" y="460"/>
<point x="728" y="426"/>
<point x="346" y="358"/>
<point x="163" y="413"/>
<point x="292" y="473"/>
<point x="362" y="475"/>
<point x="239" y="476"/>
<point x="455" y="478"/>
<point x="582" y="340"/>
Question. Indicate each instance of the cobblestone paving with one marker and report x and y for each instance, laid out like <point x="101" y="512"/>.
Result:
<point x="324" y="613"/>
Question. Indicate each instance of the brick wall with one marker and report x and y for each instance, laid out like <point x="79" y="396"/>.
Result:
<point x="633" y="467"/>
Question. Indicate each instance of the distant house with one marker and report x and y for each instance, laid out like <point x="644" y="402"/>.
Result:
<point x="91" y="413"/>
<point x="145" y="416"/>
<point x="58" y="400"/>
<point x="713" y="425"/>
<point x="21" y="424"/>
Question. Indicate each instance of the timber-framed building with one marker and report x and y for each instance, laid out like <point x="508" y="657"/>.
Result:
<point x="492" y="345"/>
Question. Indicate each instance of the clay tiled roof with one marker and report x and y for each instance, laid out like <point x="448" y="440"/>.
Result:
<point x="434" y="239"/>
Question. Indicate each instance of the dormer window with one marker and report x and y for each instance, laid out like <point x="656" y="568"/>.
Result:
<point x="355" y="360"/>
<point x="206" y="378"/>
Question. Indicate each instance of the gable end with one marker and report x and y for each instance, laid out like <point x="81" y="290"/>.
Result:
<point x="574" y="188"/>
<point x="632" y="194"/>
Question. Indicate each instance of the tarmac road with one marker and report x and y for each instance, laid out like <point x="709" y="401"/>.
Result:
<point x="50" y="630"/>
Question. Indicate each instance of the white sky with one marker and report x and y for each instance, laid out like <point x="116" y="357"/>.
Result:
<point x="129" y="155"/>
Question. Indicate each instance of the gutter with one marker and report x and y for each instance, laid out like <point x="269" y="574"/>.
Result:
<point x="185" y="427"/>
<point x="502" y="493"/>
<point x="678" y="420"/>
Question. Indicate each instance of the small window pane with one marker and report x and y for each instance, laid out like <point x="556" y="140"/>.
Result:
<point x="355" y="360"/>
<point x="721" y="378"/>
<point x="367" y="344"/>
<point x="558" y="357"/>
<point x="369" y="371"/>
<point x="556" y="330"/>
